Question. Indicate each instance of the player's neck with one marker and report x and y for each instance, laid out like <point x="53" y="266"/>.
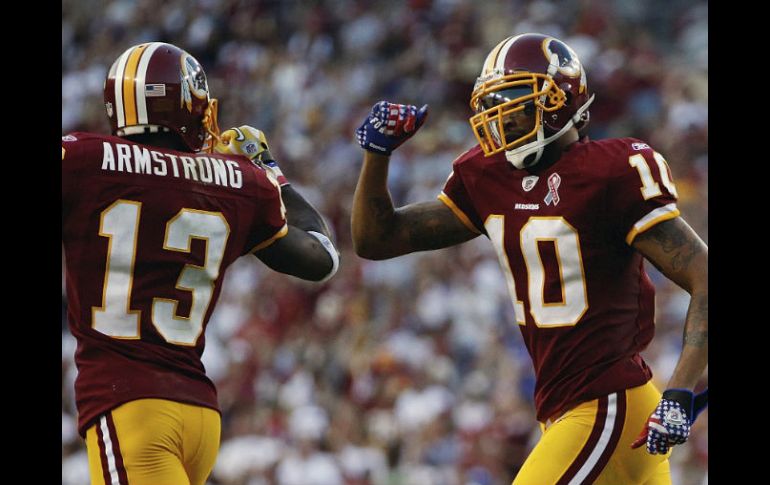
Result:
<point x="160" y="140"/>
<point x="554" y="150"/>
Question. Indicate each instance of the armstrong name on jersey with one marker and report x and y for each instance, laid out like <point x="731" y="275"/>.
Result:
<point x="122" y="157"/>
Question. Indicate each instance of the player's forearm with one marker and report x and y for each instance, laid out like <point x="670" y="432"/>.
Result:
<point x="680" y="254"/>
<point x="695" y="347"/>
<point x="301" y="214"/>
<point x="373" y="215"/>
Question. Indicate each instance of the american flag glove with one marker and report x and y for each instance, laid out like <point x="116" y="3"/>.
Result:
<point x="671" y="421"/>
<point x="389" y="125"/>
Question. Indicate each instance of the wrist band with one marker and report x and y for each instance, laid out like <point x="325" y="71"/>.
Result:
<point x="327" y="244"/>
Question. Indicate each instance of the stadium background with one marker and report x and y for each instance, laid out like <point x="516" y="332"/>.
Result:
<point x="407" y="371"/>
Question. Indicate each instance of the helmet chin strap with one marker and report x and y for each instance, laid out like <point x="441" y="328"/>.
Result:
<point x="529" y="154"/>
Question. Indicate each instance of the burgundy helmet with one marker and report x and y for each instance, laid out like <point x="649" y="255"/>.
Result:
<point x="155" y="87"/>
<point x="537" y="79"/>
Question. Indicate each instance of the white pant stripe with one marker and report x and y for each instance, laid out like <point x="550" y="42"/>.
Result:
<point x="113" y="468"/>
<point x="601" y="445"/>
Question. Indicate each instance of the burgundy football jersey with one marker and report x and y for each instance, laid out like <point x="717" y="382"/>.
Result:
<point x="148" y="233"/>
<point x="581" y="296"/>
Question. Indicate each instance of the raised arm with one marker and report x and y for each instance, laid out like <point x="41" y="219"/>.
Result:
<point x="677" y="251"/>
<point x="381" y="232"/>
<point x="306" y="251"/>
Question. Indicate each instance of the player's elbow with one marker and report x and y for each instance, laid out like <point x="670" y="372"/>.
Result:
<point x="304" y="254"/>
<point x="369" y="249"/>
<point x="324" y="258"/>
<point x="320" y="271"/>
<point x="316" y="265"/>
<point x="698" y="274"/>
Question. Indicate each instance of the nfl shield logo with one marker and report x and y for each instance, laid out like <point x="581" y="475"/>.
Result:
<point x="528" y="182"/>
<point x="109" y="109"/>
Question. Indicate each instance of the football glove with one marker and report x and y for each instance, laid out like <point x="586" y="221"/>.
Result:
<point x="671" y="421"/>
<point x="252" y="143"/>
<point x="389" y="125"/>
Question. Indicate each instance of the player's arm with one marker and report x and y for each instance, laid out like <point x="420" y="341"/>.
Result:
<point x="379" y="230"/>
<point x="300" y="213"/>
<point x="250" y="142"/>
<point x="677" y="251"/>
<point x="302" y="254"/>
<point x="306" y="251"/>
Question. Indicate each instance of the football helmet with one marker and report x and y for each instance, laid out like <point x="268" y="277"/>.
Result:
<point x="156" y="87"/>
<point x="531" y="90"/>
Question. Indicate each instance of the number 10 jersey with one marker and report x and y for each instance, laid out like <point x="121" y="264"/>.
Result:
<point x="563" y="237"/>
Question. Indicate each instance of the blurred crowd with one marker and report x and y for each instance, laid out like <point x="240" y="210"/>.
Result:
<point x="409" y="371"/>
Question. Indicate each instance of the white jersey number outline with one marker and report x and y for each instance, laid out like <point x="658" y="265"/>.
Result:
<point x="120" y="224"/>
<point x="566" y="242"/>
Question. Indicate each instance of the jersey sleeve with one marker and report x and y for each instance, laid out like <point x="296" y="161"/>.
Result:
<point x="66" y="182"/>
<point x="270" y="224"/>
<point x="642" y="193"/>
<point x="74" y="153"/>
<point x="279" y="176"/>
<point x="455" y="196"/>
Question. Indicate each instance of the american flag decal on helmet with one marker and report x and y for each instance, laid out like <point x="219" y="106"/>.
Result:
<point x="155" y="90"/>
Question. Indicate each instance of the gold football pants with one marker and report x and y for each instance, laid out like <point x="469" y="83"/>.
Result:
<point x="591" y="443"/>
<point x="153" y="442"/>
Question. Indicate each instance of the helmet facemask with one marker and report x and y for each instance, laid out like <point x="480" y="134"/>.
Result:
<point x="509" y="114"/>
<point x="528" y="71"/>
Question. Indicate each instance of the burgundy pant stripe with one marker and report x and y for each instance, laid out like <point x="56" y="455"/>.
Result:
<point x="617" y="430"/>
<point x="593" y="439"/>
<point x="122" y="475"/>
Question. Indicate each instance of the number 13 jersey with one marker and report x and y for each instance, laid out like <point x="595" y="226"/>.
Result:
<point x="563" y="237"/>
<point x="148" y="233"/>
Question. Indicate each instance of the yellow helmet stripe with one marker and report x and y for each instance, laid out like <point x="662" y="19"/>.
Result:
<point x="129" y="84"/>
<point x="489" y="63"/>
<point x="141" y="76"/>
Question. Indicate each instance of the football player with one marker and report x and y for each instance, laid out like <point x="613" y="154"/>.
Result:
<point x="571" y="221"/>
<point x="152" y="217"/>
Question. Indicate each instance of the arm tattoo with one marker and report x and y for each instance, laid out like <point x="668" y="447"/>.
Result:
<point x="431" y="226"/>
<point x="422" y="230"/>
<point x="681" y="246"/>
<point x="698" y="337"/>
